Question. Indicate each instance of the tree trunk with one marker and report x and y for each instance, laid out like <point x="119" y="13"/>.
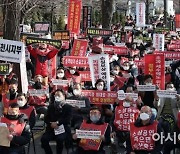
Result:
<point x="11" y="16"/>
<point x="165" y="12"/>
<point x="107" y="13"/>
<point x="147" y="11"/>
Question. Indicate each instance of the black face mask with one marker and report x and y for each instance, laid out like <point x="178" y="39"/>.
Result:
<point x="12" y="91"/>
<point x="12" y="117"/>
<point x="37" y="85"/>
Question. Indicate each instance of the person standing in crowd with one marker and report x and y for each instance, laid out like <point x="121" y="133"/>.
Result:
<point x="19" y="131"/>
<point x="79" y="113"/>
<point x="95" y="121"/>
<point x="58" y="121"/>
<point x="42" y="54"/>
<point x="137" y="144"/>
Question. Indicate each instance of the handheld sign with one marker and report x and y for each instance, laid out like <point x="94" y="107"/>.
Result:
<point x="122" y="96"/>
<point x="99" y="32"/>
<point x="146" y="87"/>
<point x="39" y="92"/>
<point x="85" y="134"/>
<point x="59" y="130"/>
<point x="78" y="103"/>
<point x="4" y="68"/>
<point x="59" y="82"/>
<point x="166" y="93"/>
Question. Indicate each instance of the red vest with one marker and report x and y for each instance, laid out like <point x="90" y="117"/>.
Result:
<point x="141" y="137"/>
<point x="89" y="144"/>
<point x="27" y="111"/>
<point x="123" y="117"/>
<point x="14" y="124"/>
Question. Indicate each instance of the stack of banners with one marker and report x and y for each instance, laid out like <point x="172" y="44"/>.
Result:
<point x="4" y="68"/>
<point x="71" y="61"/>
<point x="59" y="82"/>
<point x="169" y="54"/>
<point x="64" y="36"/>
<point x="38" y="92"/>
<point x="11" y="51"/>
<point x="74" y="16"/>
<point x="119" y="50"/>
<point x="146" y="87"/>
<point x="85" y="75"/>
<point x="177" y="20"/>
<point x="173" y="47"/>
<point x="91" y="144"/>
<point x="155" y="65"/>
<point x="100" y="97"/>
<point x="74" y="103"/>
<point x="33" y="40"/>
<point x="100" y="69"/>
<point x="140" y="14"/>
<point x="166" y="93"/>
<point x="79" y="48"/>
<point x="41" y="27"/>
<point x="99" y="32"/>
<point x="158" y="42"/>
<point x="122" y="95"/>
<point x="87" y="17"/>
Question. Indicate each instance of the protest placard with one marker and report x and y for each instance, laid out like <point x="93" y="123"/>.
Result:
<point x="78" y="103"/>
<point x="146" y="87"/>
<point x="166" y="93"/>
<point x="85" y="134"/>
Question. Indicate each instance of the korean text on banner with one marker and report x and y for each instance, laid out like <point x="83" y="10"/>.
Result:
<point x="11" y="51"/>
<point x="79" y="48"/>
<point x="155" y="65"/>
<point x="70" y="61"/>
<point x="74" y="16"/>
<point x="87" y="16"/>
<point x="158" y="42"/>
<point x="140" y="14"/>
<point x="177" y="20"/>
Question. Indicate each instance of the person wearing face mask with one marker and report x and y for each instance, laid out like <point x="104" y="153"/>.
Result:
<point x="167" y="111"/>
<point x="79" y="113"/>
<point x="39" y="102"/>
<point x="136" y="144"/>
<point x="29" y="111"/>
<point x="19" y="131"/>
<point x="124" y="113"/>
<point x="133" y="68"/>
<point x="58" y="117"/>
<point x="149" y="98"/>
<point x="72" y="73"/>
<point x="94" y="122"/>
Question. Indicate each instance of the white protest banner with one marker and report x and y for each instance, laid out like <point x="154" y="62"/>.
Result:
<point x="146" y="87"/>
<point x="59" y="82"/>
<point x="78" y="103"/>
<point x="11" y="51"/>
<point x="122" y="95"/>
<point x="166" y="93"/>
<point x="140" y="14"/>
<point x="158" y="42"/>
<point x="59" y="130"/>
<point x="39" y="92"/>
<point x="85" y="134"/>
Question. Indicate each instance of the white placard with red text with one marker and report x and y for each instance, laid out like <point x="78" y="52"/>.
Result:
<point x="158" y="42"/>
<point x="85" y="134"/>
<point x="140" y="14"/>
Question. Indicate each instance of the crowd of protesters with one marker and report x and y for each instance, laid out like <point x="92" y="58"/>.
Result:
<point x="144" y="117"/>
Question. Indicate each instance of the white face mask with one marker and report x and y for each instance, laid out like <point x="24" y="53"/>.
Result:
<point x="60" y="75"/>
<point x="148" y="84"/>
<point x="131" y="62"/>
<point x="76" y="92"/>
<point x="115" y="72"/>
<point x="126" y="104"/>
<point x="126" y="68"/>
<point x="144" y="116"/>
<point x="100" y="87"/>
<point x="58" y="99"/>
<point x="20" y="103"/>
<point x="111" y="79"/>
<point x="72" y="71"/>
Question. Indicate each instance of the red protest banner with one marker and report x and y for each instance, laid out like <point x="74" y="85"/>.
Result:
<point x="79" y="48"/>
<point x="155" y="65"/>
<point x="74" y="15"/>
<point x="52" y="68"/>
<point x="177" y="20"/>
<point x="85" y="75"/>
<point x="124" y="116"/>
<point x="71" y="61"/>
<point x="120" y="50"/>
<point x="175" y="42"/>
<point x="89" y="144"/>
<point x="170" y="54"/>
<point x="141" y="137"/>
<point x="100" y="97"/>
<point x="61" y="35"/>
<point x="120" y="81"/>
<point x="173" y="46"/>
<point x="87" y="15"/>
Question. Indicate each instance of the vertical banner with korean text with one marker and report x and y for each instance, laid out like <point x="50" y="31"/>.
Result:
<point x="87" y="16"/>
<point x="79" y="48"/>
<point x="158" y="42"/>
<point x="177" y="20"/>
<point x="155" y="65"/>
<point x="140" y="14"/>
<point x="74" y="16"/>
<point x="99" y="68"/>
